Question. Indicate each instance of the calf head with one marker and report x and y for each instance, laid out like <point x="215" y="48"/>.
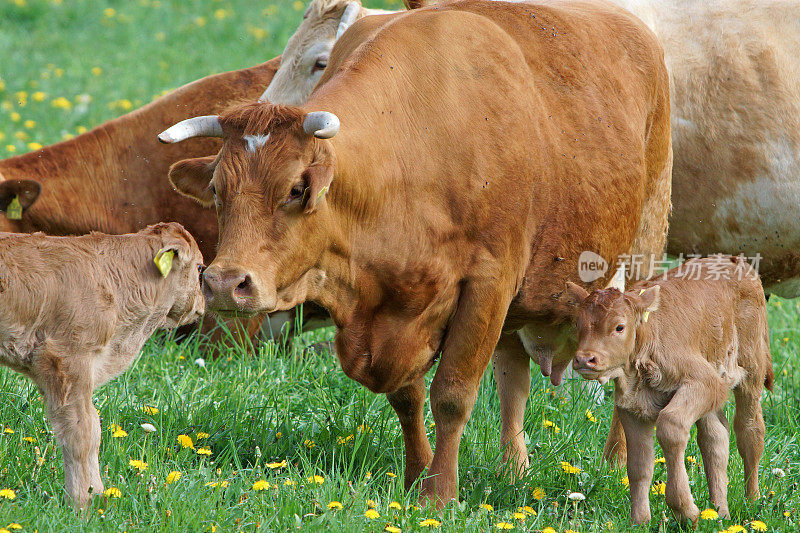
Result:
<point x="268" y="184"/>
<point x="308" y="50"/>
<point x="179" y="276"/>
<point x="608" y="321"/>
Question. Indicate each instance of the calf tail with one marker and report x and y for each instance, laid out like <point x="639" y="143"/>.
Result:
<point x="769" y="378"/>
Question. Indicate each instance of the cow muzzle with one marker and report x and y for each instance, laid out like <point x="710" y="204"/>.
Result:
<point x="231" y="291"/>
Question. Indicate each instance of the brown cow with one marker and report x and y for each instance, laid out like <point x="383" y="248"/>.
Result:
<point x="675" y="346"/>
<point x="483" y="146"/>
<point x="74" y="313"/>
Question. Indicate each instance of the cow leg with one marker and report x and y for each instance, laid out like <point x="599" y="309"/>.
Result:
<point x="473" y="333"/>
<point x="76" y="426"/>
<point x="615" y="450"/>
<point x="409" y="402"/>
<point x="512" y="374"/>
<point x="639" y="435"/>
<point x="713" y="440"/>
<point x="748" y="424"/>
<point x="690" y="402"/>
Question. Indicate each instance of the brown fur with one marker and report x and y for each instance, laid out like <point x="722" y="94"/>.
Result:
<point x="466" y="165"/>
<point x="684" y="343"/>
<point x="74" y="313"/>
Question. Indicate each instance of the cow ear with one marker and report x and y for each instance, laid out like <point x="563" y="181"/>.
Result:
<point x="318" y="178"/>
<point x="574" y="294"/>
<point x="26" y="192"/>
<point x="192" y="178"/>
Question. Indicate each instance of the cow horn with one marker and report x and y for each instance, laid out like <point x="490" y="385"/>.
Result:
<point x="350" y="15"/>
<point x="618" y="280"/>
<point x="321" y="124"/>
<point x="205" y="126"/>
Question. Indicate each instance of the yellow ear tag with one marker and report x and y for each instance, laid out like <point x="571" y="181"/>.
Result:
<point x="641" y="292"/>
<point x="163" y="261"/>
<point x="646" y="316"/>
<point x="14" y="210"/>
<point x="322" y="192"/>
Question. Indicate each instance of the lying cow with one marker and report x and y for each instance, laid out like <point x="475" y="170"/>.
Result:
<point x="74" y="313"/>
<point x="675" y="346"/>
<point x="455" y="202"/>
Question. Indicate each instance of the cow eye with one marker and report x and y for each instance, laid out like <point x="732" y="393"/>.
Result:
<point x="319" y="64"/>
<point x="298" y="189"/>
<point x="620" y="328"/>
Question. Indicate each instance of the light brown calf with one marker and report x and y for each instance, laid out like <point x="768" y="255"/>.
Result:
<point x="675" y="346"/>
<point x="74" y="313"/>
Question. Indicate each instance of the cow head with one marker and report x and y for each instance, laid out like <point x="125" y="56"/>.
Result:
<point x="26" y="192"/>
<point x="308" y="50"/>
<point x="269" y="185"/>
<point x="608" y="321"/>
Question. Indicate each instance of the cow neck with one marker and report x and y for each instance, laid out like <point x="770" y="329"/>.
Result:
<point x="74" y="197"/>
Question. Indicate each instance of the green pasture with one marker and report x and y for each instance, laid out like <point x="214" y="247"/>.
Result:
<point x="283" y="440"/>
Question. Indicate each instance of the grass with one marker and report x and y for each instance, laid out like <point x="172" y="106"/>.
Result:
<point x="291" y="405"/>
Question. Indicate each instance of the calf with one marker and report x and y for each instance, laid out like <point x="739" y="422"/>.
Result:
<point x="675" y="346"/>
<point x="74" y="313"/>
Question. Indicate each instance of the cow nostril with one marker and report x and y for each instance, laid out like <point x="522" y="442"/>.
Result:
<point x="245" y="287"/>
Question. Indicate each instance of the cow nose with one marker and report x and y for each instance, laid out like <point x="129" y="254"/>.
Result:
<point x="227" y="289"/>
<point x="586" y="360"/>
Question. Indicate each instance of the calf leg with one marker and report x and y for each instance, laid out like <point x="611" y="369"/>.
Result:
<point x="713" y="440"/>
<point x="749" y="427"/>
<point x="641" y="460"/>
<point x="511" y="369"/>
<point x="690" y="402"/>
<point x="408" y="402"/>
<point x="77" y="429"/>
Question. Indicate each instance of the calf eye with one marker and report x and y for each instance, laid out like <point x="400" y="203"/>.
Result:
<point x="620" y="328"/>
<point x="319" y="64"/>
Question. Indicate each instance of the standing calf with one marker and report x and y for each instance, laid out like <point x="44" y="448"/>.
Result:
<point x="675" y="346"/>
<point x="74" y="313"/>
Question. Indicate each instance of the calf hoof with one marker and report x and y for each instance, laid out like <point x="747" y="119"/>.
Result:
<point x="688" y="515"/>
<point x="515" y="463"/>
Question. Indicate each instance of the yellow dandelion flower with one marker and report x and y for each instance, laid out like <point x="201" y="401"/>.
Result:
<point x="569" y="469"/>
<point x="109" y="12"/>
<point x="709" y="514"/>
<point x="590" y="416"/>
<point x="38" y="96"/>
<point x="147" y="409"/>
<point x="273" y="466"/>
<point x="28" y="439"/>
<point x="758" y="525"/>
<point x="335" y="505"/>
<point x="691" y="459"/>
<point x="112" y="492"/>
<point x="21" y="135"/>
<point x="527" y="510"/>
<point x="278" y="435"/>
<point x="8" y="494"/>
<point x="185" y="441"/>
<point x="372" y="514"/>
<point x="261" y="484"/>
<point x="15" y="117"/>
<point x="371" y="504"/>
<point x="220" y="14"/>
<point x="391" y="474"/>
<point x="392" y="529"/>
<point x="787" y="514"/>
<point x="96" y="71"/>
<point x="309" y="444"/>
<point x="625" y="481"/>
<point x="288" y="482"/>
<point x="658" y="488"/>
<point x="430" y="522"/>
<point x="549" y="424"/>
<point x="319" y="480"/>
<point x="735" y="528"/>
<point x="486" y="507"/>
<point x="11" y="148"/>
<point x="368" y="476"/>
<point x="203" y="451"/>
<point x="2" y="86"/>
<point x="395" y="505"/>
<point x="504" y="525"/>
<point x="14" y="525"/>
<point x="660" y="461"/>
<point x="520" y="516"/>
<point x="61" y="103"/>
<point x="298" y="5"/>
<point x="548" y="530"/>
<point x="570" y="531"/>
<point x="4" y="530"/>
<point x="119" y="433"/>
<point x="538" y="493"/>
<point x="136" y="463"/>
<point x="173" y="476"/>
<point x="81" y="130"/>
<point x="200" y="21"/>
<point x="200" y="435"/>
<point x="8" y="431"/>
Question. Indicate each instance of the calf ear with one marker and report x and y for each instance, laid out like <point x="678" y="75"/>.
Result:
<point x="318" y="178"/>
<point x="27" y="191"/>
<point x="574" y="294"/>
<point x="648" y="300"/>
<point x="192" y="178"/>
